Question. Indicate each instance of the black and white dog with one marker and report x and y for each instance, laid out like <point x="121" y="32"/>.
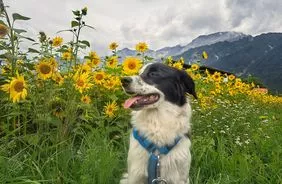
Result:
<point x="161" y="116"/>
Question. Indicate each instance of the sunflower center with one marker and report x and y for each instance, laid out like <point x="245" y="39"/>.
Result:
<point x="80" y="83"/>
<point x="99" y="76"/>
<point x="131" y="65"/>
<point x="19" y="86"/>
<point x="95" y="61"/>
<point x="45" y="69"/>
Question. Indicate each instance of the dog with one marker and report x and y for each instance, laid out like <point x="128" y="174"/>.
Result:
<point x="161" y="115"/>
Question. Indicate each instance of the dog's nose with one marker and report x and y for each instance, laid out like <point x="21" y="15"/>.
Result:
<point x="125" y="81"/>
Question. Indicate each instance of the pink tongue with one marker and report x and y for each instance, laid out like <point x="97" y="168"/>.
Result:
<point x="127" y="104"/>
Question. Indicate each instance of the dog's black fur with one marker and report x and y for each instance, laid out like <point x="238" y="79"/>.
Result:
<point x="172" y="82"/>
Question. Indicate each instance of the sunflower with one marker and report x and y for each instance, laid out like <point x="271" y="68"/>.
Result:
<point x="94" y="60"/>
<point x="216" y="77"/>
<point x="17" y="88"/>
<point x="112" y="62"/>
<point x="141" y="47"/>
<point x="3" y="30"/>
<point x="6" y="87"/>
<point x="81" y="81"/>
<point x="238" y="84"/>
<point x="57" y="41"/>
<point x="231" y="77"/>
<point x="113" y="46"/>
<point x="112" y="83"/>
<point x="131" y="65"/>
<point x="178" y="65"/>
<point x="99" y="77"/>
<point x="195" y="67"/>
<point x="85" y="99"/>
<point x="205" y="55"/>
<point x="110" y="109"/>
<point x="198" y="76"/>
<point x="6" y="68"/>
<point x="44" y="69"/>
<point x="85" y="68"/>
<point x="58" y="78"/>
<point x="169" y="60"/>
<point x="213" y="93"/>
<point x="53" y="62"/>
<point x="67" y="56"/>
<point x="181" y="60"/>
<point x="20" y="62"/>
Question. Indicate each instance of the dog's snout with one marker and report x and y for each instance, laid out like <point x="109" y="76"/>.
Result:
<point x="126" y="81"/>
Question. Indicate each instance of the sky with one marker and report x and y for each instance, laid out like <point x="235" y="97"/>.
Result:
<point x="159" y="23"/>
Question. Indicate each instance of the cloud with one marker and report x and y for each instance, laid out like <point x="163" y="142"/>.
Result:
<point x="160" y="22"/>
<point x="177" y="23"/>
<point x="255" y="16"/>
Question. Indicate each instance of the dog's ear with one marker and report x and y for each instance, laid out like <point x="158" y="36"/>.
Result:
<point x="189" y="85"/>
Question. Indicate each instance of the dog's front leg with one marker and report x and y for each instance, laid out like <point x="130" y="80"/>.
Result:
<point x="137" y="163"/>
<point x="136" y="172"/>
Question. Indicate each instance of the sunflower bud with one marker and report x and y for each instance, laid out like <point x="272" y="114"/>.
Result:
<point x="42" y="36"/>
<point x="84" y="11"/>
<point x="3" y="30"/>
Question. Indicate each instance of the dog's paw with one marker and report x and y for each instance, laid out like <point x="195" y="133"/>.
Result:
<point x="124" y="179"/>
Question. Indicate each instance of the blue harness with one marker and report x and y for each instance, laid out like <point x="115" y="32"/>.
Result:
<point x="152" y="148"/>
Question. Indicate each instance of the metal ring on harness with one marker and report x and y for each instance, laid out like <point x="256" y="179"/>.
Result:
<point x="159" y="181"/>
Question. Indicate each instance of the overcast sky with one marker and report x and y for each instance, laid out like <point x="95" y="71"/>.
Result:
<point x="160" y="23"/>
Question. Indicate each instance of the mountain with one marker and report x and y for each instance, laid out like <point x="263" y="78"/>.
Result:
<point x="212" y="39"/>
<point x="259" y="56"/>
<point x="178" y="49"/>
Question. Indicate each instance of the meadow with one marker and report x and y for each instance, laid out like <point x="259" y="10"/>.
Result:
<point x="62" y="120"/>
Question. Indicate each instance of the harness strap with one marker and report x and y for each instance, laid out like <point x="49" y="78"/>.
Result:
<point x="152" y="148"/>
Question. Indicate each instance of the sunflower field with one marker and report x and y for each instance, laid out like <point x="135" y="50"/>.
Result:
<point x="62" y="121"/>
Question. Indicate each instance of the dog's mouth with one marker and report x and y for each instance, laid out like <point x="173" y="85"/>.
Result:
<point x="139" y="101"/>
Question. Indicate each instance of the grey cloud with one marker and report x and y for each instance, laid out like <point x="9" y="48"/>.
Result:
<point x="159" y="22"/>
<point x="255" y="16"/>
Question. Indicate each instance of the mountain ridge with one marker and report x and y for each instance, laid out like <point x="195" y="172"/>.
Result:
<point x="259" y="56"/>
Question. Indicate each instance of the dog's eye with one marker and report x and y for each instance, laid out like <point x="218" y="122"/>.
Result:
<point x="153" y="74"/>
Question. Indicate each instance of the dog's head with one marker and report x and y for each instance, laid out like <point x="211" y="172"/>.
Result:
<point x="155" y="84"/>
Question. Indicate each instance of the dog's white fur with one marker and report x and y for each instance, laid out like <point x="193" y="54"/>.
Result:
<point x="161" y="123"/>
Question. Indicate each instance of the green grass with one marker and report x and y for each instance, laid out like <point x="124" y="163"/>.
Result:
<point x="238" y="142"/>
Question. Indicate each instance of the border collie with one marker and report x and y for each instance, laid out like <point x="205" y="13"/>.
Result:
<point x="161" y="113"/>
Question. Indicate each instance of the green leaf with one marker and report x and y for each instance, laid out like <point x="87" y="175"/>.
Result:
<point x="32" y="139"/>
<point x="3" y="56"/>
<point x="31" y="50"/>
<point x="74" y="23"/>
<point x="30" y="66"/>
<point x="2" y="22"/>
<point x="19" y="31"/>
<point x="149" y="58"/>
<point x="30" y="39"/>
<point x="17" y="16"/>
<point x="76" y="13"/>
<point x="65" y="30"/>
<point x="85" y="42"/>
<point x="90" y="27"/>
<point x="62" y="50"/>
